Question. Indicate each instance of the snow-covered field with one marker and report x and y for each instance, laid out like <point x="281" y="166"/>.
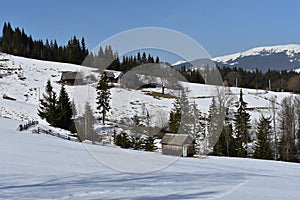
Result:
<point x="25" y="79"/>
<point x="124" y="102"/>
<point x="38" y="166"/>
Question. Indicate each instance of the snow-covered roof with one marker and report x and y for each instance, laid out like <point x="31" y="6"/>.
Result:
<point x="70" y="75"/>
<point x="176" y="139"/>
<point x="113" y="74"/>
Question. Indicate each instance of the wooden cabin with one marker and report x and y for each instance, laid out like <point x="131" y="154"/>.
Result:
<point x="177" y="145"/>
<point x="113" y="76"/>
<point x="70" y="78"/>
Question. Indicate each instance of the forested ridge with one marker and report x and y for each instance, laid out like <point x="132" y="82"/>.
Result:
<point x="16" y="42"/>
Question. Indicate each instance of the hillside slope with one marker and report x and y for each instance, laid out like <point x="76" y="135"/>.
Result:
<point x="25" y="79"/>
<point x="125" y="103"/>
<point x="44" y="167"/>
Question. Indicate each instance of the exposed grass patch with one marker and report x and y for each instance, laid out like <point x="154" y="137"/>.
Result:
<point x="160" y="95"/>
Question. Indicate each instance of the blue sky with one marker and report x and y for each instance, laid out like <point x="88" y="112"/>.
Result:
<point x="220" y="26"/>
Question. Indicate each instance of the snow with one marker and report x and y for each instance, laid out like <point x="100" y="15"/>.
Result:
<point x="27" y="92"/>
<point x="125" y="103"/>
<point x="179" y="62"/>
<point x="289" y="49"/>
<point x="38" y="166"/>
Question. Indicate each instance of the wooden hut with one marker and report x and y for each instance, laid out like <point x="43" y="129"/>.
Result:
<point x="70" y="78"/>
<point x="113" y="76"/>
<point x="177" y="145"/>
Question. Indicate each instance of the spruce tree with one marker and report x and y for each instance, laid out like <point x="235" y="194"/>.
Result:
<point x="175" y="116"/>
<point x="216" y="118"/>
<point x="123" y="141"/>
<point x="47" y="109"/>
<point x="157" y="60"/>
<point x="149" y="143"/>
<point x="103" y="97"/>
<point x="64" y="110"/>
<point x="213" y="124"/>
<point x="242" y="126"/>
<point x="180" y="117"/>
<point x="225" y="145"/>
<point x="144" y="58"/>
<point x="197" y="126"/>
<point x="136" y="130"/>
<point x="262" y="145"/>
<point x="186" y="117"/>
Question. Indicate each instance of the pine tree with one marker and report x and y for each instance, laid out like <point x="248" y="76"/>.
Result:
<point x="84" y="51"/>
<point x="149" y="144"/>
<point x="175" y="116"/>
<point x="180" y="117"/>
<point x="144" y="58"/>
<point x="186" y="121"/>
<point x="136" y="130"/>
<point x="47" y="109"/>
<point x="262" y="145"/>
<point x="212" y="125"/>
<point x="103" y="97"/>
<point x="122" y="140"/>
<point x="197" y="126"/>
<point x="225" y="145"/>
<point x="138" y="57"/>
<point x="157" y="60"/>
<point x="64" y="110"/>
<point x="242" y="126"/>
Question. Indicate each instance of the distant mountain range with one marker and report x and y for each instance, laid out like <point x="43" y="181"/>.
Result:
<point x="281" y="57"/>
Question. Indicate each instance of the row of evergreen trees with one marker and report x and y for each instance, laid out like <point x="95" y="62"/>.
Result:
<point x="277" y="80"/>
<point x="109" y="59"/>
<point x="234" y="138"/>
<point x="277" y="136"/>
<point x="137" y="143"/>
<point x="129" y="62"/>
<point x="17" y="42"/>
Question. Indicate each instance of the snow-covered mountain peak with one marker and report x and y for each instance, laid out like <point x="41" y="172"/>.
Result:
<point x="290" y="50"/>
<point x="179" y="62"/>
<point x="280" y="57"/>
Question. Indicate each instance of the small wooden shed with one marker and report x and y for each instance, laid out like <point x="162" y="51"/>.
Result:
<point x="113" y="76"/>
<point x="69" y="78"/>
<point x="177" y="145"/>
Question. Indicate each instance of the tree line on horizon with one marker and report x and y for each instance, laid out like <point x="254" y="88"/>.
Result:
<point x="278" y="81"/>
<point x="17" y="42"/>
<point x="107" y="58"/>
